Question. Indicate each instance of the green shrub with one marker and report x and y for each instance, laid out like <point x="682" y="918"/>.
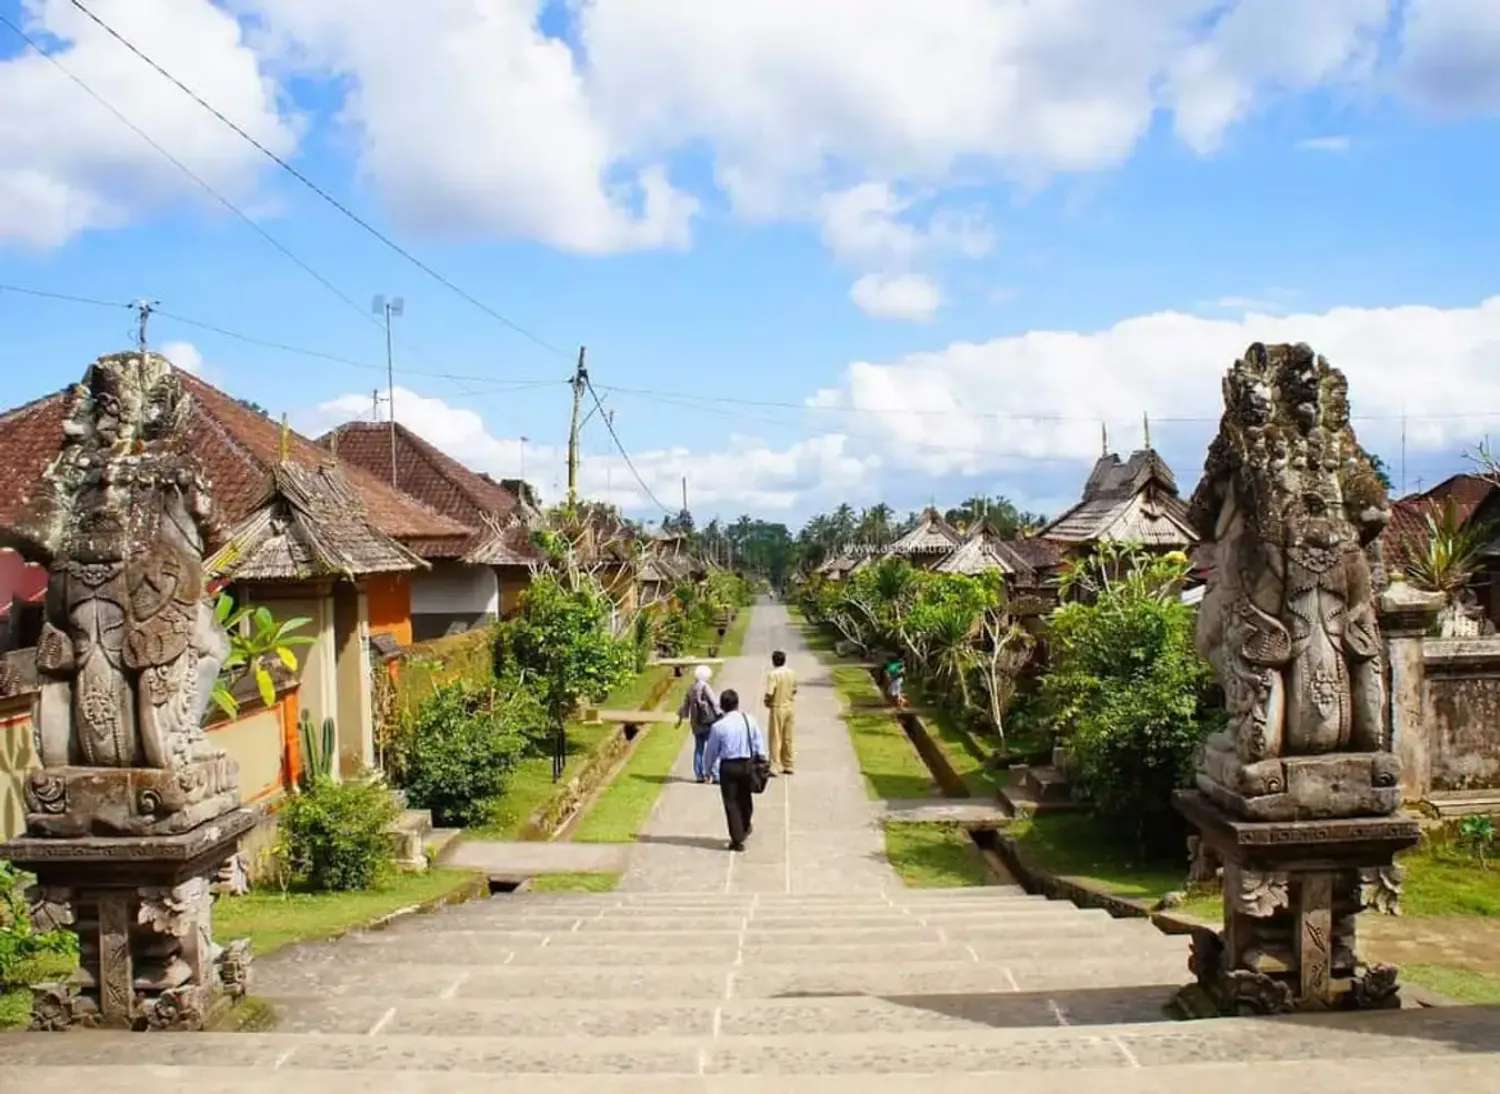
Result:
<point x="465" y="741"/>
<point x="561" y="643"/>
<point x="333" y="836"/>
<point x="20" y="941"/>
<point x="1126" y="690"/>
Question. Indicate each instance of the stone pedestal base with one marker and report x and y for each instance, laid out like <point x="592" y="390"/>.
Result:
<point x="1292" y="893"/>
<point x="1291" y="788"/>
<point x="130" y="801"/>
<point x="141" y="907"/>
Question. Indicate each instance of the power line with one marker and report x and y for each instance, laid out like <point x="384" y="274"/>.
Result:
<point x="610" y="425"/>
<point x="188" y="171"/>
<point x="64" y="296"/>
<point x="318" y="190"/>
<point x="286" y="347"/>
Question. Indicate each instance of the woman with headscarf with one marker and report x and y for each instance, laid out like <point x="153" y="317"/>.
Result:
<point x="700" y="706"/>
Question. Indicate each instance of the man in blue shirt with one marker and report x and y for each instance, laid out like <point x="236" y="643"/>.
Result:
<point x="733" y="742"/>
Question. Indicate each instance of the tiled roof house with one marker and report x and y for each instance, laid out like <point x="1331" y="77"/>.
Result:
<point x="477" y="576"/>
<point x="294" y="528"/>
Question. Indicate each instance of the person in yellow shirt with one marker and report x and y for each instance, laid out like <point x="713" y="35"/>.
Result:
<point x="781" y="690"/>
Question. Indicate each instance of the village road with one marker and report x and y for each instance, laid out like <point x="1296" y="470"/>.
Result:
<point x="815" y="832"/>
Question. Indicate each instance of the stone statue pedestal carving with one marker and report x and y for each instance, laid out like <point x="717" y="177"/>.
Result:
<point x="134" y="810"/>
<point x="141" y="908"/>
<point x="1298" y="797"/>
<point x="110" y="801"/>
<point x="1292" y="891"/>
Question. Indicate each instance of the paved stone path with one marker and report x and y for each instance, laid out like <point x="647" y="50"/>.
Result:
<point x="815" y="832"/>
<point x="520" y="859"/>
<point x="802" y="966"/>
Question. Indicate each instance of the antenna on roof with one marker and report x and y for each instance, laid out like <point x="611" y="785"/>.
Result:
<point x="396" y="305"/>
<point x="143" y="308"/>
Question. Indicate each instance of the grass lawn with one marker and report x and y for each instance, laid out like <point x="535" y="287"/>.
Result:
<point x="887" y="758"/>
<point x="619" y="813"/>
<point x="1081" y="846"/>
<point x="734" y="638"/>
<point x="935" y="856"/>
<point x="965" y="753"/>
<point x="574" y="883"/>
<point x="1463" y="985"/>
<point x="272" y="920"/>
<point x="15" y="1004"/>
<point x="531" y="784"/>
<point x="1441" y="880"/>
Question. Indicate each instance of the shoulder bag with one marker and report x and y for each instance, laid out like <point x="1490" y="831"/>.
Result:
<point x="760" y="766"/>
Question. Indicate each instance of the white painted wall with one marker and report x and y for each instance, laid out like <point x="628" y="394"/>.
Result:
<point x="455" y="588"/>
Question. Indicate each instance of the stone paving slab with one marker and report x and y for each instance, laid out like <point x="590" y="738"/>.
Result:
<point x="522" y="858"/>
<point x="1371" y="1037"/>
<point x="735" y="1019"/>
<point x="1415" y="1075"/>
<point x="971" y="813"/>
<point x="815" y="831"/>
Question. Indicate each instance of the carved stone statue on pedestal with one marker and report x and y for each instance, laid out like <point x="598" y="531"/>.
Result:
<point x="133" y="810"/>
<point x="1297" y="797"/>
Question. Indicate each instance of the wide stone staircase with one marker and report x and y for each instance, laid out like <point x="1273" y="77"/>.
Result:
<point x="667" y="992"/>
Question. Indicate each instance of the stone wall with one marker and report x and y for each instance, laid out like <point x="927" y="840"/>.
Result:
<point x="1461" y="712"/>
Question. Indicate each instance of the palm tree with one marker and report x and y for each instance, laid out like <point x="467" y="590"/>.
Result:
<point x="875" y="524"/>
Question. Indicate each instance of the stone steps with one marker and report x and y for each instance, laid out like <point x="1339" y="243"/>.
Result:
<point x="1369" y="1038"/>
<point x="1409" y="1075"/>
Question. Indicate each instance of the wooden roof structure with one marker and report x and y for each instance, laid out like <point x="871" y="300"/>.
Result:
<point x="932" y="536"/>
<point x="984" y="551"/>
<point x="1134" y="501"/>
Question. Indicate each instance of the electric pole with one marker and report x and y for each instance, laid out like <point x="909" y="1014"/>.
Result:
<point x="580" y="381"/>
<point x="396" y="305"/>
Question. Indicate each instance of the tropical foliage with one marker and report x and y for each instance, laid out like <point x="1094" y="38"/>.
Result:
<point x="20" y="940"/>
<point x="333" y="835"/>
<point x="957" y="631"/>
<point x="1452" y="553"/>
<point x="256" y="640"/>
<point x="1125" y="689"/>
<point x="465" y="742"/>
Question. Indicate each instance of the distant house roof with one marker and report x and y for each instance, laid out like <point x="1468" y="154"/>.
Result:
<point x="984" y="551"/>
<point x="1135" y="501"/>
<point x="932" y="535"/>
<point x="240" y="453"/>
<point x="492" y="511"/>
<point x="1406" y="534"/>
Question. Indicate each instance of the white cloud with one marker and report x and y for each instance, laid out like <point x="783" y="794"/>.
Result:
<point x="867" y="224"/>
<point x="1011" y="404"/>
<point x="471" y="120"/>
<point x="1333" y="143"/>
<point x="1259" y="48"/>
<point x="900" y="296"/>
<point x="67" y="165"/>
<point x="1450" y="55"/>
<point x="184" y="355"/>
<point x="747" y="474"/>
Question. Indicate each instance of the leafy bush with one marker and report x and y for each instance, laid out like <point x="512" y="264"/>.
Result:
<point x="465" y="741"/>
<point x="20" y="941"/>
<point x="1126" y="689"/>
<point x="561" y="643"/>
<point x="333" y="836"/>
<point x="1477" y="833"/>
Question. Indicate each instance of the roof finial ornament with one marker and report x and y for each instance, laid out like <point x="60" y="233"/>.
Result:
<point x="285" y="447"/>
<point x="1146" y="428"/>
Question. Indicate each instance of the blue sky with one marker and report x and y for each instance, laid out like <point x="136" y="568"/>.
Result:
<point x="964" y="232"/>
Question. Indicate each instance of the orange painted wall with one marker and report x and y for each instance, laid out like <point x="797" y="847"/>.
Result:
<point x="389" y="599"/>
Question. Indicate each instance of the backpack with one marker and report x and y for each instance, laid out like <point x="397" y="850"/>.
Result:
<point x="704" y="713"/>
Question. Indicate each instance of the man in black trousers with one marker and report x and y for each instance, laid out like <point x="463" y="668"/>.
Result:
<point x="733" y="741"/>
